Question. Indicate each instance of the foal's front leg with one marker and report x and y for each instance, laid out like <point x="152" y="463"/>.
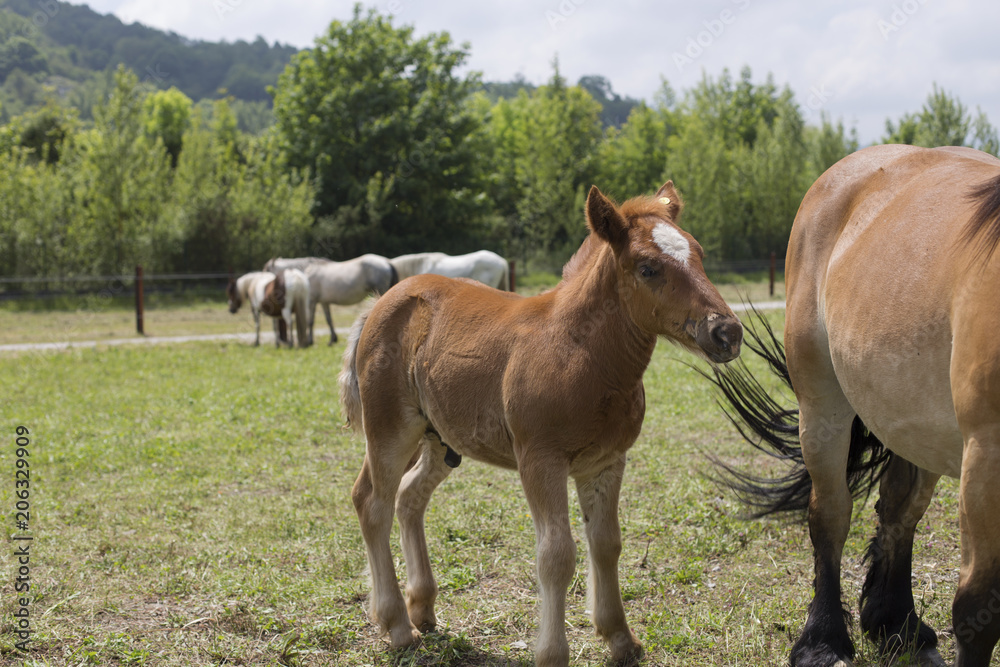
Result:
<point x="599" y="502"/>
<point x="544" y="483"/>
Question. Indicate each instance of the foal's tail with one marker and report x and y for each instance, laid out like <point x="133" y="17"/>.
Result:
<point x="775" y="431"/>
<point x="350" y="391"/>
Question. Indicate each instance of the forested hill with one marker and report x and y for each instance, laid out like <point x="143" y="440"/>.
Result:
<point x="47" y="45"/>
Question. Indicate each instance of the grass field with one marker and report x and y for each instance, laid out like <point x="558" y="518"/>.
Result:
<point x="97" y="317"/>
<point x="190" y="505"/>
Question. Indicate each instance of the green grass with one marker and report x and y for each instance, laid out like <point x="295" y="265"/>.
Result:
<point x="191" y="506"/>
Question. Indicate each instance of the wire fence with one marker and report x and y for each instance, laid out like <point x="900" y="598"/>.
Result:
<point x="37" y="287"/>
<point x="198" y="284"/>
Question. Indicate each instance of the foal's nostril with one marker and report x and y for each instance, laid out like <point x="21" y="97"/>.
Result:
<point x="720" y="337"/>
<point x="727" y="334"/>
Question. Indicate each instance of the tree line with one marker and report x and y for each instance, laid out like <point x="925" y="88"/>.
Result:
<point x="380" y="145"/>
<point x="48" y="45"/>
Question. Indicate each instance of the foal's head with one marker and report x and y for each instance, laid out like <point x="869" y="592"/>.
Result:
<point x="234" y="297"/>
<point x="661" y="277"/>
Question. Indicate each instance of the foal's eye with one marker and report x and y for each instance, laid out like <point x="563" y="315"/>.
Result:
<point x="646" y="271"/>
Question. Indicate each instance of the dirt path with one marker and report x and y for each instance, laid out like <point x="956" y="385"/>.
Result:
<point x="265" y="337"/>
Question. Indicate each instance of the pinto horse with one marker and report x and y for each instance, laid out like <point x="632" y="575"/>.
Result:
<point x="339" y="283"/>
<point x="891" y="349"/>
<point x="279" y="296"/>
<point x="550" y="386"/>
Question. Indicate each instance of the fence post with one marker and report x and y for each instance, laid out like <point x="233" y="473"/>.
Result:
<point x="138" y="300"/>
<point x="772" y="273"/>
<point x="511" y="266"/>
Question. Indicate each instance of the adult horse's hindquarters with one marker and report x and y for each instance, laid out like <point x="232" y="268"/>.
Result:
<point x="549" y="385"/>
<point x="891" y="337"/>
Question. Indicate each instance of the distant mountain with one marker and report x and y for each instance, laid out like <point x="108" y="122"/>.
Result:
<point x="51" y="48"/>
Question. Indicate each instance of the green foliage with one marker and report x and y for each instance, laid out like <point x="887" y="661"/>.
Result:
<point x="943" y="121"/>
<point x="43" y="132"/>
<point x="123" y="173"/>
<point x="380" y="119"/>
<point x="544" y="145"/>
<point x="103" y="199"/>
<point x="69" y="48"/>
<point x="615" y="109"/>
<point x="741" y="161"/>
<point x="167" y="115"/>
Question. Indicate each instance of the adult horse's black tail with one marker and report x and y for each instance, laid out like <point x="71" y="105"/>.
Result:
<point x="775" y="431"/>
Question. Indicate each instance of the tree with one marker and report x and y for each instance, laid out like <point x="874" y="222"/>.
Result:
<point x="167" y="115"/>
<point x="632" y="160"/>
<point x="740" y="160"/>
<point x="381" y="121"/>
<point x="544" y="147"/>
<point x="943" y="121"/>
<point x="126" y="177"/>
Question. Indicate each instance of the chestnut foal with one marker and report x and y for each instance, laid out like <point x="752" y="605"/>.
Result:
<point x="550" y="386"/>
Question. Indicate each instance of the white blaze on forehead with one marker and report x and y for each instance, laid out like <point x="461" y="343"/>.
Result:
<point x="671" y="242"/>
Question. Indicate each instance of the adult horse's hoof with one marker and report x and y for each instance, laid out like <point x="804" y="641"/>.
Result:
<point x="928" y="657"/>
<point x="821" y="655"/>
<point x="333" y="339"/>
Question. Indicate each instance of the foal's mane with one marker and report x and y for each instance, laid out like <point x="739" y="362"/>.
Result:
<point x="580" y="258"/>
<point x="984" y="226"/>
<point x="637" y="207"/>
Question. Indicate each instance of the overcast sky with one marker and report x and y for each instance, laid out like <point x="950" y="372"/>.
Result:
<point x="858" y="61"/>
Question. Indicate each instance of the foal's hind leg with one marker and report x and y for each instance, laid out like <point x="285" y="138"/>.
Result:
<point x="411" y="503"/>
<point x="599" y="502"/>
<point x="888" y="614"/>
<point x="374" y="496"/>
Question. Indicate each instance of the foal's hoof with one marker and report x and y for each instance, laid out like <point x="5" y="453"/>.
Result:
<point x="422" y="616"/>
<point x="404" y="636"/>
<point x="626" y="650"/>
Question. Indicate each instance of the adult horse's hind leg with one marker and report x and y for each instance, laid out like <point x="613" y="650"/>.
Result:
<point x="888" y="615"/>
<point x="599" y="502"/>
<point x="374" y="495"/>
<point x="825" y="434"/>
<point x="544" y="481"/>
<point x="329" y="322"/>
<point x="976" y="608"/>
<point x="411" y="502"/>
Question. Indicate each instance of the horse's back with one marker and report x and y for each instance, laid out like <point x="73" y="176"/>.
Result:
<point x="875" y="263"/>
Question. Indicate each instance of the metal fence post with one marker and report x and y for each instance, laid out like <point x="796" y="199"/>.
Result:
<point x="511" y="266"/>
<point x="772" y="273"/>
<point x="138" y="300"/>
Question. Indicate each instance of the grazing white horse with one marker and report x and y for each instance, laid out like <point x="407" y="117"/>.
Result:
<point x="487" y="267"/>
<point x="339" y="283"/>
<point x="278" y="295"/>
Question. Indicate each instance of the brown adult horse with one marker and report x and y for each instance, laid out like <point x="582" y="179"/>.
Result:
<point x="890" y="337"/>
<point x="549" y="385"/>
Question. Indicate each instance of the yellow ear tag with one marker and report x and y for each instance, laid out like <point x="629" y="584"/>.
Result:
<point x="664" y="200"/>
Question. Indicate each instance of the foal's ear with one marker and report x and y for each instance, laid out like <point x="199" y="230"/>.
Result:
<point x="604" y="219"/>
<point x="673" y="201"/>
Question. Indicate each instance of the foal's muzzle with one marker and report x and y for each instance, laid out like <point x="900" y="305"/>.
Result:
<point x="720" y="337"/>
